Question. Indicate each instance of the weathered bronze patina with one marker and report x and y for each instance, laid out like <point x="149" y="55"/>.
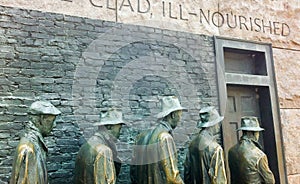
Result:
<point x="247" y="162"/>
<point x="97" y="161"/>
<point x="205" y="158"/>
<point x="29" y="165"/>
<point x="155" y="158"/>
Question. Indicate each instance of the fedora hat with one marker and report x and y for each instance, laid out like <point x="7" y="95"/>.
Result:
<point x="169" y="104"/>
<point x="213" y="118"/>
<point x="250" y="123"/>
<point x="43" y="107"/>
<point x="110" y="117"/>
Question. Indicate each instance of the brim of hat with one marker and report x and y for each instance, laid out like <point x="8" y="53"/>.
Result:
<point x="165" y="113"/>
<point x="110" y="123"/>
<point x="210" y="123"/>
<point x="255" y="129"/>
<point x="53" y="112"/>
<point x="56" y="112"/>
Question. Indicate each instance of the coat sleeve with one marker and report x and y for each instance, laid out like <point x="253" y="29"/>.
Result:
<point x="133" y="168"/>
<point x="187" y="169"/>
<point x="265" y="171"/>
<point x="233" y="166"/>
<point x="217" y="167"/>
<point x="169" y="159"/>
<point x="104" y="169"/>
<point x="25" y="167"/>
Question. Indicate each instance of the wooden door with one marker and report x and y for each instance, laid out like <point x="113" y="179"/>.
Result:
<point x="241" y="101"/>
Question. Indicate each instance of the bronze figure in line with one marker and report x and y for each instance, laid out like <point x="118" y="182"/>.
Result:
<point x="97" y="161"/>
<point x="247" y="162"/>
<point x="29" y="165"/>
<point x="204" y="162"/>
<point x="155" y="158"/>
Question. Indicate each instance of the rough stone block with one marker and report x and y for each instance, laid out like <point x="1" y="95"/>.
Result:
<point x="47" y="65"/>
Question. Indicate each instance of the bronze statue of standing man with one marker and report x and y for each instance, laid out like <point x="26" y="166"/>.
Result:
<point x="247" y="162"/>
<point x="29" y="164"/>
<point x="155" y="156"/>
<point x="204" y="162"/>
<point x="97" y="161"/>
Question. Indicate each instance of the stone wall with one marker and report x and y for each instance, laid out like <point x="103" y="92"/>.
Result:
<point x="287" y="67"/>
<point x="273" y="21"/>
<point x="83" y="65"/>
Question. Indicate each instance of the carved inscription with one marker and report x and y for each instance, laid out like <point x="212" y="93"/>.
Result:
<point x="142" y="6"/>
<point x="177" y="11"/>
<point x="226" y="19"/>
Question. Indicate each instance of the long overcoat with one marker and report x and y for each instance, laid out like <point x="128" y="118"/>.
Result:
<point x="97" y="161"/>
<point x="204" y="162"/>
<point x="29" y="165"/>
<point x="155" y="158"/>
<point x="249" y="164"/>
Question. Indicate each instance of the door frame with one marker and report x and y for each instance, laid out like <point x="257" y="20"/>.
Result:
<point x="265" y="81"/>
<point x="237" y="94"/>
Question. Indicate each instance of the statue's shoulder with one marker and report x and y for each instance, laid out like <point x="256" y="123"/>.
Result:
<point x="143" y="134"/>
<point x="164" y="135"/>
<point x="144" y="137"/>
<point x="256" y="151"/>
<point x="103" y="150"/>
<point x="249" y="148"/>
<point x="234" y="148"/>
<point x="25" y="146"/>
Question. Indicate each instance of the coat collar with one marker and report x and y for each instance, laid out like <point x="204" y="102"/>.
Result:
<point x="207" y="134"/>
<point x="107" y="139"/>
<point x="34" y="134"/>
<point x="251" y="141"/>
<point x="105" y="136"/>
<point x="166" y="126"/>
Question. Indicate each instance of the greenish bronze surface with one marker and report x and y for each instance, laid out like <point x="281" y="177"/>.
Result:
<point x="97" y="161"/>
<point x="154" y="158"/>
<point x="29" y="165"/>
<point x="205" y="158"/>
<point x="247" y="162"/>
